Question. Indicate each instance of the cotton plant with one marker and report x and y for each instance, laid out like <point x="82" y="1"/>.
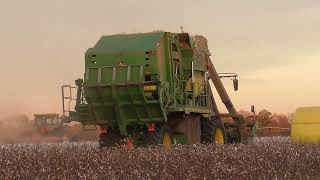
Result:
<point x="264" y="158"/>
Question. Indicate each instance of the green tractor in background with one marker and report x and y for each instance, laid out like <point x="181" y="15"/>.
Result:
<point x="53" y="128"/>
<point x="47" y="124"/>
<point x="153" y="88"/>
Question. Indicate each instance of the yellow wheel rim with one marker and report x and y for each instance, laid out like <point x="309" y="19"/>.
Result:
<point x="218" y="136"/>
<point x="166" y="140"/>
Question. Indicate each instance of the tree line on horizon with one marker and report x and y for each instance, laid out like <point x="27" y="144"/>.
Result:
<point x="265" y="118"/>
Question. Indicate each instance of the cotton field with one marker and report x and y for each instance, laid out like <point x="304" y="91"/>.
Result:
<point x="265" y="158"/>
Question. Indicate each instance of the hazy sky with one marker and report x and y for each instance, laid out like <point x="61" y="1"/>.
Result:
<point x="273" y="45"/>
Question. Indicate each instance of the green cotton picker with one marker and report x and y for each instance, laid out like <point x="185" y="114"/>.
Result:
<point x="153" y="88"/>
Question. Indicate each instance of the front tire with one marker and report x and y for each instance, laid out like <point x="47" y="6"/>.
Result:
<point x="213" y="131"/>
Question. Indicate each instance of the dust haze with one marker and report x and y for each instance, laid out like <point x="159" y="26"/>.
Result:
<point x="16" y="129"/>
<point x="19" y="128"/>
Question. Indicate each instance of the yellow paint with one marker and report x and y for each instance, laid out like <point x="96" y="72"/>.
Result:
<point x="198" y="82"/>
<point x="150" y="88"/>
<point x="305" y="126"/>
<point x="218" y="136"/>
<point x="166" y="141"/>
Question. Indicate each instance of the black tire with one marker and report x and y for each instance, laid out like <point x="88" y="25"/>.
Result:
<point x="104" y="141"/>
<point x="247" y="136"/>
<point x="109" y="139"/>
<point x="234" y="136"/>
<point x="209" y="128"/>
<point x="240" y="136"/>
<point x="156" y="137"/>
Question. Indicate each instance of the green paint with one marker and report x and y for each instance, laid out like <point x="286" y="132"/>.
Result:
<point x="119" y="66"/>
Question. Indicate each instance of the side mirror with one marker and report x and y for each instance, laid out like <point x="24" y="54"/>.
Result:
<point x="235" y="84"/>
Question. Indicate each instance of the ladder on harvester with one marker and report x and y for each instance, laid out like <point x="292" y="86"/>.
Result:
<point x="67" y="99"/>
<point x="68" y="96"/>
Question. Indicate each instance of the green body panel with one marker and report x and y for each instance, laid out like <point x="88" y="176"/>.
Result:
<point x="135" y="79"/>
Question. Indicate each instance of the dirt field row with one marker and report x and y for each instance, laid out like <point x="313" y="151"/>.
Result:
<point x="265" y="158"/>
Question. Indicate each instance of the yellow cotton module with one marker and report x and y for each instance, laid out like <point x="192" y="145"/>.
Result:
<point x="305" y="126"/>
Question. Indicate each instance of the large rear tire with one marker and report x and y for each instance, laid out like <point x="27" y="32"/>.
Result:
<point x="109" y="139"/>
<point x="213" y="131"/>
<point x="161" y="135"/>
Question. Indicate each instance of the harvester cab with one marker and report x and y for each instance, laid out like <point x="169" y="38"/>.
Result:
<point x="153" y="88"/>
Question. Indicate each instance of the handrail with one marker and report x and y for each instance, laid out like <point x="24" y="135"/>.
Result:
<point x="69" y="98"/>
<point x="114" y="72"/>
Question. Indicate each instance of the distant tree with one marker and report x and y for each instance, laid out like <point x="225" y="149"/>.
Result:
<point x="282" y="120"/>
<point x="267" y="119"/>
<point x="264" y="118"/>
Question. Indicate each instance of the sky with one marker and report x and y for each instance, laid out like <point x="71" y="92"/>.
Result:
<point x="274" y="46"/>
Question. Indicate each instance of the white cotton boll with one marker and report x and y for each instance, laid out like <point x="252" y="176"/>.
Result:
<point x="265" y="158"/>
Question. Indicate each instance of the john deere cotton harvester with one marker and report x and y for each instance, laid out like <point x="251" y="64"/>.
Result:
<point x="153" y="88"/>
